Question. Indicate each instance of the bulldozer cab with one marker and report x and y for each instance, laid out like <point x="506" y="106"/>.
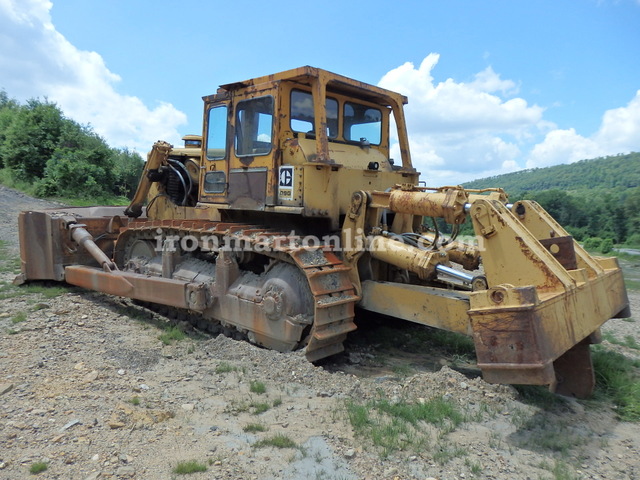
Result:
<point x="300" y="142"/>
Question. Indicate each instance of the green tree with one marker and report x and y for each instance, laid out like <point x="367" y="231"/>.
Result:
<point x="561" y="206"/>
<point x="606" y="246"/>
<point x="127" y="168"/>
<point x="8" y="110"/>
<point x="31" y="138"/>
<point x="632" y="212"/>
<point x="82" y="163"/>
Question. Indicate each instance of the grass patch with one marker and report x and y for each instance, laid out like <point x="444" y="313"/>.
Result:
<point x="190" y="466"/>
<point x="632" y="284"/>
<point x="476" y="468"/>
<point x="538" y="396"/>
<point x="8" y="291"/>
<point x="172" y="334"/>
<point x="445" y="452"/>
<point x="559" y="470"/>
<point x="628" y="341"/>
<point x="277" y="402"/>
<point x="453" y="343"/>
<point x="401" y="425"/>
<point x="19" y="318"/>
<point x="278" y="441"/>
<point x="416" y="339"/>
<point x="114" y="200"/>
<point x="259" y="407"/>
<point x="8" y="263"/>
<point x="12" y="179"/>
<point x="238" y="407"/>
<point x="403" y="370"/>
<point x="257" y="387"/>
<point x="46" y="290"/>
<point x="224" y="367"/>
<point x="618" y="379"/>
<point x="135" y="401"/>
<point x="38" y="467"/>
<point x="544" y="433"/>
<point x="436" y="411"/>
<point x="254" y="428"/>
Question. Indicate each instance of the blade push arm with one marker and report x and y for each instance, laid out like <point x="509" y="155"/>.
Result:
<point x="156" y="158"/>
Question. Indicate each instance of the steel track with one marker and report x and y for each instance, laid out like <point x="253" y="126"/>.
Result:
<point x="334" y="297"/>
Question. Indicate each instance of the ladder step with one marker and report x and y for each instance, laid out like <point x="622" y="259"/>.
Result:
<point x="326" y="302"/>
<point x="333" y="330"/>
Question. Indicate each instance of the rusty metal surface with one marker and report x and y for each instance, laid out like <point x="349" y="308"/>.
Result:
<point x="510" y="344"/>
<point x="85" y="240"/>
<point x="46" y="244"/>
<point x="520" y="338"/>
<point x="247" y="188"/>
<point x="447" y="204"/>
<point x="562" y="250"/>
<point x="40" y="248"/>
<point x="163" y="291"/>
<point x="156" y="158"/>
<point x="332" y="308"/>
<point x="574" y="372"/>
<point x="435" y="307"/>
<point x="421" y="262"/>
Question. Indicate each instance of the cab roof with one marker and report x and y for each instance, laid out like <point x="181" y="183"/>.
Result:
<point x="307" y="75"/>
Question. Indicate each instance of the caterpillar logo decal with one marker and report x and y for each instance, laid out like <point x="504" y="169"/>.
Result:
<point x="285" y="183"/>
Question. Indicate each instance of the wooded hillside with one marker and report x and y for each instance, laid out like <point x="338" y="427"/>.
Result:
<point x="615" y="172"/>
<point x="597" y="200"/>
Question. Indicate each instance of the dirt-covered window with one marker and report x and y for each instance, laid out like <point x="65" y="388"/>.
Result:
<point x="362" y="123"/>
<point x="302" y="115"/>
<point x="254" y="125"/>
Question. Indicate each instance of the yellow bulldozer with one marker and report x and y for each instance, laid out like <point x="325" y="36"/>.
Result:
<point x="288" y="213"/>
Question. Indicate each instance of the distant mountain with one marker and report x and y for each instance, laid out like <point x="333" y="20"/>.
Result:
<point x="618" y="172"/>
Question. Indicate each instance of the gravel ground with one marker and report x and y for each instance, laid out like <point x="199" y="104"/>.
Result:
<point x="87" y="387"/>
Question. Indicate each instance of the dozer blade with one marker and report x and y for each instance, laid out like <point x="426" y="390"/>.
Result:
<point x="546" y="302"/>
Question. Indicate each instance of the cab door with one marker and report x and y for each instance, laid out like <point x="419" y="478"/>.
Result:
<point x="215" y="162"/>
<point x="252" y="160"/>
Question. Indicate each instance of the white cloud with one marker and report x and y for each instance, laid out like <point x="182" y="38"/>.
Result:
<point x="619" y="132"/>
<point x="489" y="81"/>
<point x="461" y="131"/>
<point x="452" y="106"/>
<point x="620" y="128"/>
<point x="562" y="146"/>
<point x="37" y="61"/>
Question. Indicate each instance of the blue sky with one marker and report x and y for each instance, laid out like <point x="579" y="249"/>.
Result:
<point x="493" y="86"/>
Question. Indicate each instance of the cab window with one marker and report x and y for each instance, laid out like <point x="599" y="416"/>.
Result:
<point x="302" y="115"/>
<point x="254" y="124"/>
<point x="217" y="133"/>
<point x="362" y="122"/>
